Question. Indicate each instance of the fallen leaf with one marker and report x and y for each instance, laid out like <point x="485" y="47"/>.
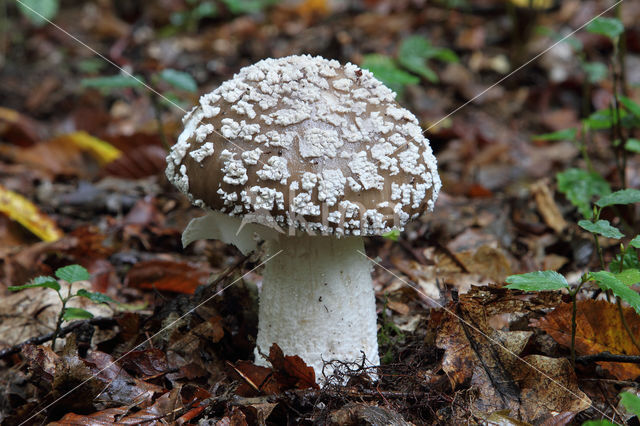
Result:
<point x="17" y="128"/>
<point x="102" y="151"/>
<point x="28" y="215"/>
<point x="138" y="163"/>
<point x="167" y="275"/>
<point x="547" y="206"/>
<point x="599" y="329"/>
<point x="291" y="371"/>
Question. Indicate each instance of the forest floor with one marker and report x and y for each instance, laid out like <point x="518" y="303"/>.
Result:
<point x="457" y="347"/>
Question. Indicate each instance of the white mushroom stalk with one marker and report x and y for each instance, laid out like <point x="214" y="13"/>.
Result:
<point x="317" y="302"/>
<point x="310" y="156"/>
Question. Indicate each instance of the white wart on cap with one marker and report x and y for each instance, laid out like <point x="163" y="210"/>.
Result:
<point x="309" y="143"/>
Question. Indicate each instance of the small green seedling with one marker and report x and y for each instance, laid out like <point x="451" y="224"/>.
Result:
<point x="71" y="274"/>
<point x="622" y="273"/>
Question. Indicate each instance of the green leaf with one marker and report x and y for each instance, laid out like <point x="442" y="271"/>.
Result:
<point x="601" y="227"/>
<point x="392" y="235"/>
<point x="238" y="7"/>
<point x="635" y="242"/>
<point x="633" y="107"/>
<point x="628" y="259"/>
<point x="179" y="79"/>
<point x="415" y="51"/>
<point x="47" y="282"/>
<point x="629" y="276"/>
<point x="624" y="196"/>
<point x="600" y="120"/>
<point x="38" y="11"/>
<point x="206" y="9"/>
<point x="609" y="27"/>
<point x="73" y="273"/>
<point x="631" y="402"/>
<point x="385" y="69"/>
<point x="120" y="81"/>
<point x="580" y="186"/>
<point x="537" y="281"/>
<point x="565" y="134"/>
<point x="595" y="71"/>
<point x="607" y="281"/>
<point x="602" y="422"/>
<point x="95" y="297"/>
<point x="632" y="145"/>
<point x="76" y="313"/>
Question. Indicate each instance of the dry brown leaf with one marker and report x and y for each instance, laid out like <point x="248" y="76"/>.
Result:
<point x="547" y="206"/>
<point x="167" y="275"/>
<point x="599" y="329"/>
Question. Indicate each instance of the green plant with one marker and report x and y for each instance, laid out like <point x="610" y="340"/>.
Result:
<point x="622" y="272"/>
<point x="175" y="79"/>
<point x="414" y="54"/>
<point x="629" y="401"/>
<point x="196" y="10"/>
<point x="38" y="12"/>
<point x="71" y="274"/>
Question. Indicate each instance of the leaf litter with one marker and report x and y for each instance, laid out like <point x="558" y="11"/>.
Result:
<point x="89" y="165"/>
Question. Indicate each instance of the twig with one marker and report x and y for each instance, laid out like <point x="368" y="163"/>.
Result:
<point x="101" y="322"/>
<point x="609" y="357"/>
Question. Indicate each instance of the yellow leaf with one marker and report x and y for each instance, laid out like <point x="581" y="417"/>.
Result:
<point x="102" y="151"/>
<point x="28" y="215"/>
<point x="533" y="4"/>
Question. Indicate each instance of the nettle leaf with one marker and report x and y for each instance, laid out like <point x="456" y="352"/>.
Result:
<point x="73" y="273"/>
<point x="415" y="51"/>
<point x="537" y="281"/>
<point x="608" y="281"/>
<point x="179" y="79"/>
<point x="385" y="69"/>
<point x="95" y="297"/>
<point x="392" y="235"/>
<point x="38" y="11"/>
<point x="624" y="196"/>
<point x="119" y="81"/>
<point x="609" y="27"/>
<point x="629" y="104"/>
<point x="580" y="187"/>
<point x="629" y="276"/>
<point x="76" y="313"/>
<point x="635" y="242"/>
<point x="631" y="402"/>
<point x="560" y="135"/>
<point x="601" y="227"/>
<point x="46" y="282"/>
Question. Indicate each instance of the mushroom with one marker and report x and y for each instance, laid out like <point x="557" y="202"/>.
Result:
<point x="308" y="156"/>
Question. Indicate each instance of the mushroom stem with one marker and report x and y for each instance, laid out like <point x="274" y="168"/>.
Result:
<point x="317" y="302"/>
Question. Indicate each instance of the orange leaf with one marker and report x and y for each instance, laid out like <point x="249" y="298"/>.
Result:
<point x="599" y="329"/>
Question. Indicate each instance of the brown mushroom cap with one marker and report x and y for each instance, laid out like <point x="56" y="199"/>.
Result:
<point x="309" y="143"/>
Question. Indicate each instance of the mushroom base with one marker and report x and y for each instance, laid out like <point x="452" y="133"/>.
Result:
<point x="317" y="302"/>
